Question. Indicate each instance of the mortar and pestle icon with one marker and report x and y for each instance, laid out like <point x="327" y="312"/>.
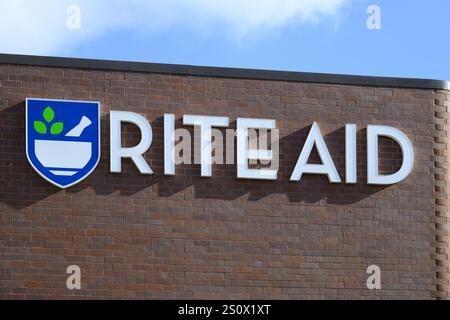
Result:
<point x="65" y="158"/>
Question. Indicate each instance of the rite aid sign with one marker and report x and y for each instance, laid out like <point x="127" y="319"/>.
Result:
<point x="63" y="145"/>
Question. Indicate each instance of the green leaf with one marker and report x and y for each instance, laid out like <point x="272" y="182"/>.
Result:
<point x="49" y="115"/>
<point x="40" y="127"/>
<point x="57" y="128"/>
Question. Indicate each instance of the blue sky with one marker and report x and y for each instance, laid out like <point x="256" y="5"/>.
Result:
<point x="327" y="36"/>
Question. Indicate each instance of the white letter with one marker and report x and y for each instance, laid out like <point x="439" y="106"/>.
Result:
<point x="374" y="280"/>
<point x="205" y="123"/>
<point x="135" y="153"/>
<point x="373" y="177"/>
<point x="74" y="281"/>
<point x="244" y="153"/>
<point x="374" y="20"/>
<point x="169" y="144"/>
<point x="350" y="153"/>
<point x="327" y="167"/>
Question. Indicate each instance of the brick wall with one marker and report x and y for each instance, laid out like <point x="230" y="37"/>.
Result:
<point x="442" y="179"/>
<point x="137" y="236"/>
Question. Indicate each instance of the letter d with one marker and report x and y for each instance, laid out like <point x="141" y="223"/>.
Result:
<point x="373" y="176"/>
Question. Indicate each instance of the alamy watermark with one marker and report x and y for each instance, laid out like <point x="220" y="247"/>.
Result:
<point x="374" y="280"/>
<point x="262" y="145"/>
<point x="374" y="18"/>
<point x="73" y="21"/>
<point x="74" y="280"/>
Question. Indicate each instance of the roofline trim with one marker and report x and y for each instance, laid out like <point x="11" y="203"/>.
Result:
<point x="221" y="72"/>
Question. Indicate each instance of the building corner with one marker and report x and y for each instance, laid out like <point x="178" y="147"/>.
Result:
<point x="441" y="174"/>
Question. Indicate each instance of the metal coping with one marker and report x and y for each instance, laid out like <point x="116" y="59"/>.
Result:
<point x="220" y="72"/>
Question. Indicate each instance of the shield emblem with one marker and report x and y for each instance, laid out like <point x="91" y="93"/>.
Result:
<point x="62" y="139"/>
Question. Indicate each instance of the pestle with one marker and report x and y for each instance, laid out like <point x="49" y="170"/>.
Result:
<point x="79" y="128"/>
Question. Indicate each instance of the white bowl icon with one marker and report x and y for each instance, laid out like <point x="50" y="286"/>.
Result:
<point x="65" y="155"/>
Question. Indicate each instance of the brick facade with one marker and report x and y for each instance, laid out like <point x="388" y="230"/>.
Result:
<point x="137" y="236"/>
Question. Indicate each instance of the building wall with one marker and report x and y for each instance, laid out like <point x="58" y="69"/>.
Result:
<point x="137" y="236"/>
<point x="442" y="179"/>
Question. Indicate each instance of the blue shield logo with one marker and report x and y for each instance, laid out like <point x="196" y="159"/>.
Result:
<point x="62" y="139"/>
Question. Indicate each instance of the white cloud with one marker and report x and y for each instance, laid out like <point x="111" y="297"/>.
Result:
<point x="39" y="27"/>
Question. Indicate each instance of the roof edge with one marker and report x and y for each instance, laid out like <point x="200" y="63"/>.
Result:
<point x="221" y="72"/>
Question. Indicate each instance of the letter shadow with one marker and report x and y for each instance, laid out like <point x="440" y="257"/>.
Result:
<point x="21" y="186"/>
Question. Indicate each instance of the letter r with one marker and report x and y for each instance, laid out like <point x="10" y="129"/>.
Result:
<point x="136" y="152"/>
